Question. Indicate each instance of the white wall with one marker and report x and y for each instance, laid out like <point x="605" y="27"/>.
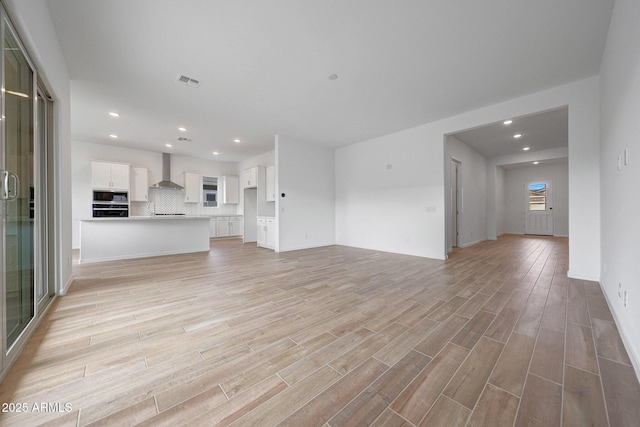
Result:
<point x="33" y="23"/>
<point x="472" y="216"/>
<point x="305" y="174"/>
<point x="84" y="153"/>
<point x="402" y="209"/>
<point x="514" y="191"/>
<point x="620" y="201"/>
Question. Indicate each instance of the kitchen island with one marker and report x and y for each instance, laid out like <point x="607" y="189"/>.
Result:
<point x="109" y="239"/>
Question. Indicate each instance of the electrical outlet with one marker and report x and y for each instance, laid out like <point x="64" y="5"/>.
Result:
<point x="620" y="290"/>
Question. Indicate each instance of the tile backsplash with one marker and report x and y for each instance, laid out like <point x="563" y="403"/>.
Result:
<point x="169" y="201"/>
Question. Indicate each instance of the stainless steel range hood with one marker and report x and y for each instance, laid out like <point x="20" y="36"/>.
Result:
<point x="166" y="174"/>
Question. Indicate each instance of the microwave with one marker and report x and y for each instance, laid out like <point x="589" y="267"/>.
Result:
<point x="110" y="196"/>
<point x="210" y="197"/>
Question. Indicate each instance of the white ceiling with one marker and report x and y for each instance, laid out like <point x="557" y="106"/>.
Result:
<point x="542" y="131"/>
<point x="264" y="66"/>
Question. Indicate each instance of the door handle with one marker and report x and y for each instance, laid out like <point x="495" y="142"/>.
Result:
<point x="6" y="177"/>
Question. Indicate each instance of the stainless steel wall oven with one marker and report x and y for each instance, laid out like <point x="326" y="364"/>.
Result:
<point x="110" y="204"/>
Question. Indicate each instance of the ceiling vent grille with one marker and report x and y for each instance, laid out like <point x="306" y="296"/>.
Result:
<point x="188" y="81"/>
<point x="183" y="139"/>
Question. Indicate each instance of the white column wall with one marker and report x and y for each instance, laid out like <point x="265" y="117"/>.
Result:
<point x="305" y="215"/>
<point x="620" y="201"/>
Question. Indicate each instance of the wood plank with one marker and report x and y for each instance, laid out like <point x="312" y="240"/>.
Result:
<point x="240" y="405"/>
<point x="582" y="403"/>
<point x="555" y="311"/>
<point x="580" y="351"/>
<point x="473" y="330"/>
<point x="289" y="400"/>
<point x="319" y="410"/>
<point x="441" y="335"/>
<point x="608" y="342"/>
<point x="467" y="384"/>
<point x="495" y="407"/>
<point x="511" y="369"/>
<point x="351" y="359"/>
<point x="311" y="363"/>
<point x="416" y="400"/>
<point x="621" y="392"/>
<point x="390" y="419"/>
<point x="548" y="356"/>
<point x="577" y="311"/>
<point x="446" y="413"/>
<point x="372" y="402"/>
<point x="541" y="404"/>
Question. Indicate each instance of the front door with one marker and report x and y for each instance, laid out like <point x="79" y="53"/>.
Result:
<point x="538" y="212"/>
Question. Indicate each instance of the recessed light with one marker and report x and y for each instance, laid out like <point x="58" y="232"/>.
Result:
<point x="181" y="129"/>
<point x="113" y="135"/>
<point x="536" y="163"/>
<point x="114" y="114"/>
<point x="517" y="135"/>
<point x="507" y="122"/>
<point x="333" y="76"/>
<point x="215" y="153"/>
<point x="168" y="145"/>
<point x="236" y="140"/>
<point x="526" y="149"/>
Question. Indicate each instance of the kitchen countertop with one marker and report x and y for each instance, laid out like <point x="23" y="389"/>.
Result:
<point x="149" y="218"/>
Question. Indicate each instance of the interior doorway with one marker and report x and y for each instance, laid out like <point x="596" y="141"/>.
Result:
<point x="250" y="215"/>
<point x="456" y="200"/>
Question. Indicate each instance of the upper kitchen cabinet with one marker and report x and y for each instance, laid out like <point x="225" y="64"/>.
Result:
<point x="139" y="185"/>
<point x="250" y="178"/>
<point x="271" y="184"/>
<point x="192" y="187"/>
<point x="231" y="191"/>
<point x="110" y="176"/>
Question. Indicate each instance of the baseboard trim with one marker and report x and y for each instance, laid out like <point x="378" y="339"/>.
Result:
<point x="623" y="335"/>
<point x="475" y="242"/>
<point x="67" y="285"/>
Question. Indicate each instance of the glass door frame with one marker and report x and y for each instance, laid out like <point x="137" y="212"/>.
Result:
<point x="43" y="233"/>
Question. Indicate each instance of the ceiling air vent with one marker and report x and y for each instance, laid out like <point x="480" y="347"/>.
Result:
<point x="188" y="81"/>
<point x="183" y="139"/>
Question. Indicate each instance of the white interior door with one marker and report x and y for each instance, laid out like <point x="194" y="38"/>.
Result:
<point x="538" y="211"/>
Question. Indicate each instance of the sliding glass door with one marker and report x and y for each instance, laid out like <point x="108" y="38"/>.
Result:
<point x="17" y="194"/>
<point x="24" y="225"/>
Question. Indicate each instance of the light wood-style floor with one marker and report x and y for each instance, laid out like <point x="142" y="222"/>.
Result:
<point x="495" y="336"/>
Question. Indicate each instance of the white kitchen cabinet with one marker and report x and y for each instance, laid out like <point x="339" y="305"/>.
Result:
<point x="192" y="187"/>
<point x="235" y="226"/>
<point x="262" y="232"/>
<point x="139" y="184"/>
<point x="231" y="190"/>
<point x="250" y="177"/>
<point x="267" y="232"/>
<point x="222" y="226"/>
<point x="271" y="184"/>
<point x="112" y="176"/>
<point x="212" y="228"/>
<point x="228" y="226"/>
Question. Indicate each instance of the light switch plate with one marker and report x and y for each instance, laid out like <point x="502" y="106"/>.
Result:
<point x="619" y="162"/>
<point x="626" y="156"/>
